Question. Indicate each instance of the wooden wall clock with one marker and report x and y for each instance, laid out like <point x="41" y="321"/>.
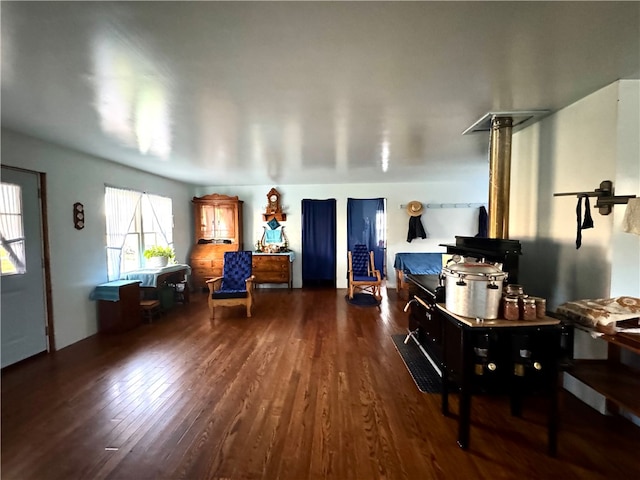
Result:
<point x="274" y="208"/>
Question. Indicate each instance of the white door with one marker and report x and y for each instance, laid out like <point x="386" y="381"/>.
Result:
<point x="22" y="282"/>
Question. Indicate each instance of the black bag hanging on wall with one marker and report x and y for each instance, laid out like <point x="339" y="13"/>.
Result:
<point x="415" y="228"/>
<point x="483" y="223"/>
<point x="583" y="224"/>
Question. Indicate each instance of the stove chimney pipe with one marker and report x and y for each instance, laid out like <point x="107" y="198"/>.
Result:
<point x="499" y="177"/>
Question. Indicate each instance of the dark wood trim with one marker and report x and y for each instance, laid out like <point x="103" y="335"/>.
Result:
<point x="51" y="336"/>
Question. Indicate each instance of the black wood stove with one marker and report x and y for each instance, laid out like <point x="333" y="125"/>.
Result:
<point x="514" y="358"/>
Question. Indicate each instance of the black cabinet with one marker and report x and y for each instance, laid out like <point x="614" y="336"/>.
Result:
<point x="514" y="358"/>
<point x="496" y="357"/>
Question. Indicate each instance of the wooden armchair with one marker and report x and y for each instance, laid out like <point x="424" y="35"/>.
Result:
<point x="235" y="285"/>
<point x="362" y="272"/>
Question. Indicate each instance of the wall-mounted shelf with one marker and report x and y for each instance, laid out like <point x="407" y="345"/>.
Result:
<point x="605" y="197"/>
<point x="281" y="217"/>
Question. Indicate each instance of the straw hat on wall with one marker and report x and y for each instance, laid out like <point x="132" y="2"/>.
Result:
<point x="414" y="208"/>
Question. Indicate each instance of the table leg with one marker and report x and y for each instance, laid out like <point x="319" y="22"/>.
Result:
<point x="553" y="421"/>
<point x="464" y="422"/>
<point x="516" y="396"/>
<point x="445" y="395"/>
<point x="290" y="276"/>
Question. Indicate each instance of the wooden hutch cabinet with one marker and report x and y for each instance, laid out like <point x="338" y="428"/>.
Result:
<point x="217" y="229"/>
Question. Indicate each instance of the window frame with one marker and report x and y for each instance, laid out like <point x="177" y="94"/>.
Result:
<point x="138" y="220"/>
<point x="14" y="229"/>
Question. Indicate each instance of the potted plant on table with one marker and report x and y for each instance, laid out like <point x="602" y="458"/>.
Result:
<point x="158" y="256"/>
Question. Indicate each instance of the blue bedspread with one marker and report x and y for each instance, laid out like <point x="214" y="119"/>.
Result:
<point x="419" y="263"/>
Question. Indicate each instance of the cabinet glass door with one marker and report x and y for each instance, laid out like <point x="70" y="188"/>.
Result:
<point x="207" y="221"/>
<point x="224" y="222"/>
<point x="217" y="222"/>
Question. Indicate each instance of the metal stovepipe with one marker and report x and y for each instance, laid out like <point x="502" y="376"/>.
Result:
<point x="499" y="177"/>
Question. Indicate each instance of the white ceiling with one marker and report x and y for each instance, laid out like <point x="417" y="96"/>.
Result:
<point x="242" y="93"/>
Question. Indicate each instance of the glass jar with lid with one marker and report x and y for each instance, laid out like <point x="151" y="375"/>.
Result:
<point x="528" y="308"/>
<point x="511" y="309"/>
<point x="541" y="307"/>
<point x="514" y="289"/>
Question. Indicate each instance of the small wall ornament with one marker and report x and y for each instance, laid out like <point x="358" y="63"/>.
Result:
<point x="78" y="216"/>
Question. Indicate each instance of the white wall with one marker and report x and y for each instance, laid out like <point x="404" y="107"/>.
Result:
<point x="442" y="225"/>
<point x="625" y="255"/>
<point x="594" y="139"/>
<point x="78" y="258"/>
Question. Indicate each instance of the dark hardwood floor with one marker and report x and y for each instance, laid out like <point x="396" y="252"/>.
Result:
<point x="309" y="387"/>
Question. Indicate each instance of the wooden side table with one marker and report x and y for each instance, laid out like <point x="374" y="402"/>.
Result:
<point x="118" y="305"/>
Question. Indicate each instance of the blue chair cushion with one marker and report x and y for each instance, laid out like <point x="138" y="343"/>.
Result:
<point x="360" y="260"/>
<point x="236" y="270"/>
<point x="221" y="294"/>
<point x="364" y="278"/>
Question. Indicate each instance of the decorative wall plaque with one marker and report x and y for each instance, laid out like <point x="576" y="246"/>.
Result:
<point x="78" y="216"/>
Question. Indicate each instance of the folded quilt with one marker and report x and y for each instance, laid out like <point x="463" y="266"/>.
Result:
<point x="601" y="311"/>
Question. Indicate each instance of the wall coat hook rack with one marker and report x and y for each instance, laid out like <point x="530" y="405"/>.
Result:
<point x="605" y="197"/>
<point x="448" y="205"/>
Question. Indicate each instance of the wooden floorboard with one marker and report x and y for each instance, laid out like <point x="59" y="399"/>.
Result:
<point x="309" y="387"/>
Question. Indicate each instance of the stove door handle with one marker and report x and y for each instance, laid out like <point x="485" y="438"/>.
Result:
<point x="423" y="303"/>
<point x="406" y="307"/>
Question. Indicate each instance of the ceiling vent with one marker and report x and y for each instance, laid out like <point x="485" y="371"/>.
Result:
<point x="519" y="119"/>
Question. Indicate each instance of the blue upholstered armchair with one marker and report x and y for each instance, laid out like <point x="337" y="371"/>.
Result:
<point x="362" y="272"/>
<point x="235" y="285"/>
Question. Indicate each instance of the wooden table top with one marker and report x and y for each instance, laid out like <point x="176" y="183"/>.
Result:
<point x="499" y="322"/>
